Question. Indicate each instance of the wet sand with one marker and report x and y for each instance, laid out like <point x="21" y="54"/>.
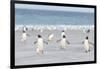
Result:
<point x="25" y="52"/>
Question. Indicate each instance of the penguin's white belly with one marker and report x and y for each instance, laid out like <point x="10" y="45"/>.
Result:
<point x="63" y="34"/>
<point x="24" y="37"/>
<point x="86" y="45"/>
<point x="40" y="44"/>
<point x="63" y="43"/>
<point x="24" y="29"/>
<point x="50" y="37"/>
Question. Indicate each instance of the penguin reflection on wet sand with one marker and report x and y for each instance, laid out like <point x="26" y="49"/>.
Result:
<point x="40" y="45"/>
<point x="87" y="44"/>
<point x="63" y="42"/>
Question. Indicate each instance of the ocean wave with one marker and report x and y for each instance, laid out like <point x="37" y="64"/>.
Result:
<point x="53" y="27"/>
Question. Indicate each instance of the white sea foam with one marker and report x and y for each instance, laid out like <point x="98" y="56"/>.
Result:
<point x="54" y="27"/>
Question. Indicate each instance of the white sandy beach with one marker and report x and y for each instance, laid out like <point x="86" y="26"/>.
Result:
<point x="25" y="53"/>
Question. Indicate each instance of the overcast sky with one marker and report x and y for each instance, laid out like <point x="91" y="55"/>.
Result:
<point x="53" y="8"/>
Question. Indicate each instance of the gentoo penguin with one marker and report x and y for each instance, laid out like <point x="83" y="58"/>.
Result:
<point x="63" y="42"/>
<point x="24" y="36"/>
<point x="50" y="37"/>
<point x="86" y="31"/>
<point x="25" y="28"/>
<point x="87" y="44"/>
<point x="63" y="33"/>
<point x="40" y="45"/>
